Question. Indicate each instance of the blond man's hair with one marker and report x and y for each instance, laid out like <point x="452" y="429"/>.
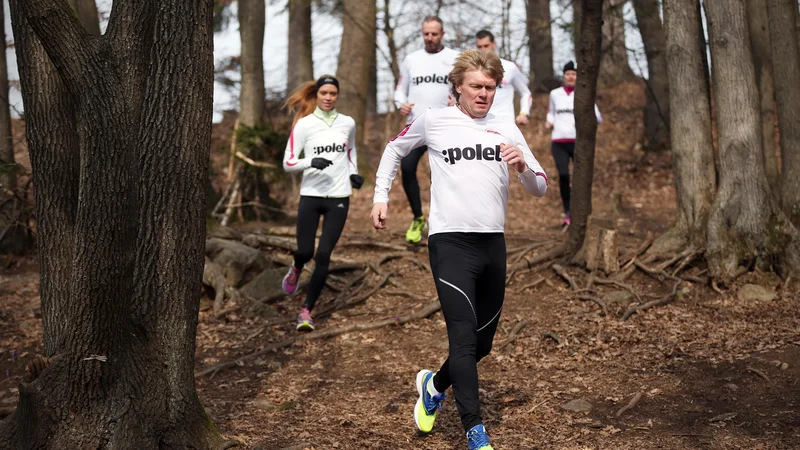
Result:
<point x="487" y="62"/>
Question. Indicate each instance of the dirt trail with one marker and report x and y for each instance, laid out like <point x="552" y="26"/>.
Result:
<point x="705" y="364"/>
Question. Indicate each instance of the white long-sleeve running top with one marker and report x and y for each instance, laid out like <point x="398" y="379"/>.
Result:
<point x="513" y="79"/>
<point x="424" y="81"/>
<point x="312" y="137"/>
<point x="469" y="179"/>
<point x="561" y="114"/>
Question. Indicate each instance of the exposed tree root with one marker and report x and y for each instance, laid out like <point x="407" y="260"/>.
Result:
<point x="620" y="285"/>
<point x="554" y="336"/>
<point x="660" y="302"/>
<point x="563" y="274"/>
<point x="376" y="244"/>
<point x="648" y="241"/>
<point x="513" y="334"/>
<point x="599" y="302"/>
<point x="531" y="285"/>
<point x="426" y="311"/>
<point x="630" y="404"/>
<point x="528" y="263"/>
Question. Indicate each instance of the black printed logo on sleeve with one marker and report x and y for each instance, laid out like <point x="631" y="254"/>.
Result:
<point x="479" y="153"/>
<point x="433" y="78"/>
<point x="333" y="148"/>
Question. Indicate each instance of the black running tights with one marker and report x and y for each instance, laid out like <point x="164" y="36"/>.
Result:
<point x="408" y="167"/>
<point x="470" y="274"/>
<point x="308" y="214"/>
<point x="562" y="153"/>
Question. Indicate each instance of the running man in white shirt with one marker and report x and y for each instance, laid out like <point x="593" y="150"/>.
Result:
<point x="513" y="79"/>
<point x="322" y="145"/>
<point x="561" y="119"/>
<point x="471" y="153"/>
<point x="423" y="84"/>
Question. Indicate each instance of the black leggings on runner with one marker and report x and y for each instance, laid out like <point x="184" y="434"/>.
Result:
<point x="470" y="274"/>
<point x="311" y="208"/>
<point x="408" y="167"/>
<point x="562" y="153"/>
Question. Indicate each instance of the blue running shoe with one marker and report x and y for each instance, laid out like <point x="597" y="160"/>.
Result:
<point x="427" y="404"/>
<point x="478" y="439"/>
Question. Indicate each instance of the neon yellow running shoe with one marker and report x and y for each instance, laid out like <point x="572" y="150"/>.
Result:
<point x="414" y="233"/>
<point x="427" y="404"/>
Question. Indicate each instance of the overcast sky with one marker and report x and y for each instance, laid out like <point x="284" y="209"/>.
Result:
<point x="326" y="37"/>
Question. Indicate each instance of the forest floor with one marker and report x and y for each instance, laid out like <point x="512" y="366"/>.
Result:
<point x="710" y="370"/>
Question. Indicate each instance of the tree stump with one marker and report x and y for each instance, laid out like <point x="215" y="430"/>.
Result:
<point x="600" y="246"/>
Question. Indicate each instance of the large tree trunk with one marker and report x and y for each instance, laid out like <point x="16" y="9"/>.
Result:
<point x="786" y="63"/>
<point x="118" y="131"/>
<point x="656" y="113"/>
<point x="540" y="45"/>
<point x="252" y="23"/>
<point x="692" y="149"/>
<point x="760" y="44"/>
<point x="745" y="224"/>
<point x="355" y="60"/>
<point x="585" y="121"/>
<point x="301" y="65"/>
<point x="614" y="67"/>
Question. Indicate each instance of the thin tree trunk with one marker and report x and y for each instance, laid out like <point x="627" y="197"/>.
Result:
<point x="692" y="148"/>
<point x="585" y="121"/>
<point x="118" y="131"/>
<point x="614" y="67"/>
<point x="388" y="30"/>
<point x="372" y="92"/>
<point x="8" y="171"/>
<point x="540" y="45"/>
<point x="358" y="41"/>
<point x="301" y="64"/>
<point x="760" y="43"/>
<point x="252" y="23"/>
<point x="14" y="237"/>
<point x="745" y="224"/>
<point x="786" y="62"/>
<point x="657" y="111"/>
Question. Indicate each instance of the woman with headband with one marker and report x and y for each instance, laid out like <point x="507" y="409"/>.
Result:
<point x="322" y="145"/>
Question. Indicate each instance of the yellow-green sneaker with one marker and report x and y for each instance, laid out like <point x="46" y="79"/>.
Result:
<point x="427" y="404"/>
<point x="478" y="439"/>
<point x="414" y="233"/>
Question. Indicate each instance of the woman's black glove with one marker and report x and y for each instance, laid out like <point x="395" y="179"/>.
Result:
<point x="320" y="163"/>
<point x="356" y="181"/>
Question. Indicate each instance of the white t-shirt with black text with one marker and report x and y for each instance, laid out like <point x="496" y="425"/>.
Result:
<point x="311" y="137"/>
<point x="513" y="80"/>
<point x="560" y="113"/>
<point x="469" y="179"/>
<point x="424" y="80"/>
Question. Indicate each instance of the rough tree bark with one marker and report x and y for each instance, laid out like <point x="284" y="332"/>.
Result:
<point x="614" y="67"/>
<point x="118" y="130"/>
<point x="745" y="225"/>
<point x="656" y="113"/>
<point x="540" y="45"/>
<point x="786" y="62"/>
<point x="252" y="23"/>
<point x="692" y="149"/>
<point x="760" y="44"/>
<point x="358" y="42"/>
<point x="585" y="121"/>
<point x="301" y="65"/>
